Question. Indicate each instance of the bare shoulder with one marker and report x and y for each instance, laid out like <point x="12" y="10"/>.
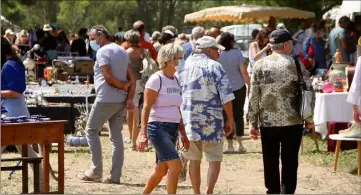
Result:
<point x="253" y="44"/>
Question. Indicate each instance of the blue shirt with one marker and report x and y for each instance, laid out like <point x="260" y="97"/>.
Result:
<point x="13" y="76"/>
<point x="334" y="45"/>
<point x="319" y="50"/>
<point x="187" y="47"/>
<point x="231" y="61"/>
<point x="205" y="89"/>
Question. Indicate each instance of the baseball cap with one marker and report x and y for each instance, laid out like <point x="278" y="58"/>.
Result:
<point x="156" y="34"/>
<point x="280" y="36"/>
<point x="9" y="31"/>
<point x="207" y="42"/>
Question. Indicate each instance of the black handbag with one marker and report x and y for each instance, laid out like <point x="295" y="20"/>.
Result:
<point x="305" y="97"/>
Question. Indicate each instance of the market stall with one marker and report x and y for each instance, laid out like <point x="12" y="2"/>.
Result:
<point x="58" y="102"/>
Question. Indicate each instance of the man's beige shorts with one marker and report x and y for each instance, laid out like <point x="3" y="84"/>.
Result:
<point x="212" y="151"/>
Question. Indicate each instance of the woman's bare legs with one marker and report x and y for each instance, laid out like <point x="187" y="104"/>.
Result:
<point x="130" y="124"/>
<point x="173" y="168"/>
<point x="135" y="128"/>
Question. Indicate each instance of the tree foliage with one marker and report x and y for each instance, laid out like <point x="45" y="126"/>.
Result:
<point x="73" y="15"/>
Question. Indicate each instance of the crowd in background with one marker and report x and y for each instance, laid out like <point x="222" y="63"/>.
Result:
<point x="199" y="92"/>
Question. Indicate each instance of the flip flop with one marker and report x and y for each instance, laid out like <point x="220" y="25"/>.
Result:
<point x="86" y="178"/>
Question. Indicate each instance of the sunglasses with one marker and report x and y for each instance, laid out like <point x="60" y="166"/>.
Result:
<point x="215" y="48"/>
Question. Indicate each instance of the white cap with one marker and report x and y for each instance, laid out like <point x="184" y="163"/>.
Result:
<point x="156" y="33"/>
<point x="9" y="31"/>
<point x="170" y="33"/>
<point x="281" y="26"/>
<point x="207" y="42"/>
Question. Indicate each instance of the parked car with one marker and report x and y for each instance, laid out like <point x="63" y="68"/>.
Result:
<point x="243" y="35"/>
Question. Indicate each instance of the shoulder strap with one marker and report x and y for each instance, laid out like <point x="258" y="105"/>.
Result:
<point x="299" y="33"/>
<point x="160" y="83"/>
<point x="177" y="81"/>
<point x="299" y="72"/>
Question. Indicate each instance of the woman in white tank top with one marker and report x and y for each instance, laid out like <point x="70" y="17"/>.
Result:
<point x="258" y="49"/>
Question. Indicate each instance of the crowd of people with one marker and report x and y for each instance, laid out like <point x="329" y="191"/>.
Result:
<point x="199" y="93"/>
<point x="53" y="42"/>
<point x="196" y="95"/>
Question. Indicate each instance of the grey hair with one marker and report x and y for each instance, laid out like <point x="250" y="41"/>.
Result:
<point x="171" y="28"/>
<point x="168" y="52"/>
<point x="132" y="36"/>
<point x="277" y="46"/>
<point x="198" y="32"/>
<point x="99" y="29"/>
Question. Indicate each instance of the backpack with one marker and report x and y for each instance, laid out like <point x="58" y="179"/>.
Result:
<point x="311" y="54"/>
<point x="149" y="68"/>
<point x="296" y="35"/>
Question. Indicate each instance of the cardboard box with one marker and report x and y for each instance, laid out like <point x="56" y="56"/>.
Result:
<point x="84" y="67"/>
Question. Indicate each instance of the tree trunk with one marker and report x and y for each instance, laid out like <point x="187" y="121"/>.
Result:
<point x="171" y="11"/>
<point x="161" y="14"/>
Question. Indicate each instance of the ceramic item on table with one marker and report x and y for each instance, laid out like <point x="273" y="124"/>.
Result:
<point x="338" y="71"/>
<point x="29" y="64"/>
<point x="327" y="87"/>
<point x="338" y="85"/>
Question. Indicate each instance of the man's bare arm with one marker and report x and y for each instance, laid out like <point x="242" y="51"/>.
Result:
<point x="111" y="80"/>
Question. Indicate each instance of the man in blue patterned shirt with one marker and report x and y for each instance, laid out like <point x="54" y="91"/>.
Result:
<point x="206" y="94"/>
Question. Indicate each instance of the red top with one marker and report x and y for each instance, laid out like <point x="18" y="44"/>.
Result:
<point x="143" y="44"/>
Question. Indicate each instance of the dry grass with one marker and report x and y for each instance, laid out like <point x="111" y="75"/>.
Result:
<point x="240" y="174"/>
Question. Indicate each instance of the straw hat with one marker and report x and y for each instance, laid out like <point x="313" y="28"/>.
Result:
<point x="9" y="32"/>
<point x="47" y="27"/>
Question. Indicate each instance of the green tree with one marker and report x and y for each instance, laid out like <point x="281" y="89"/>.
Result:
<point x="72" y="15"/>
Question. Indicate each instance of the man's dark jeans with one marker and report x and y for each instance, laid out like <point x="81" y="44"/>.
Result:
<point x="289" y="140"/>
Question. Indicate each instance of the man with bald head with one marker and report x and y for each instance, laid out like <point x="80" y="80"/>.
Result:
<point x="171" y="28"/>
<point x="140" y="27"/>
<point x="197" y="32"/>
<point x="214" y="32"/>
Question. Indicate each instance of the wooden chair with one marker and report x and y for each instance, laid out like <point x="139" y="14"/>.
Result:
<point x="339" y="139"/>
<point x="24" y="168"/>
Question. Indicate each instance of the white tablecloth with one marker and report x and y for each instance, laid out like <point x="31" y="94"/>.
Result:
<point x="331" y="107"/>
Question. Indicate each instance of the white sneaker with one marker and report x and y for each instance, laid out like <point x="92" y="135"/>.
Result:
<point x="127" y="140"/>
<point x="353" y="132"/>
<point x="230" y="149"/>
<point x="241" y="149"/>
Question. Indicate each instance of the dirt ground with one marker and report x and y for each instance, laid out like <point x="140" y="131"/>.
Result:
<point x="240" y="174"/>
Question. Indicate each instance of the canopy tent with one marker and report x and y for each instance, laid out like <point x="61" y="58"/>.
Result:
<point x="246" y="13"/>
<point x="332" y="13"/>
<point x="350" y="9"/>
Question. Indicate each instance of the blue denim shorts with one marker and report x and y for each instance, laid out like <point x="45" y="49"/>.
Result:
<point x="163" y="136"/>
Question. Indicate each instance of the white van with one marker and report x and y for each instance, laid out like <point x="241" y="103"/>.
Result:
<point x="243" y="35"/>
